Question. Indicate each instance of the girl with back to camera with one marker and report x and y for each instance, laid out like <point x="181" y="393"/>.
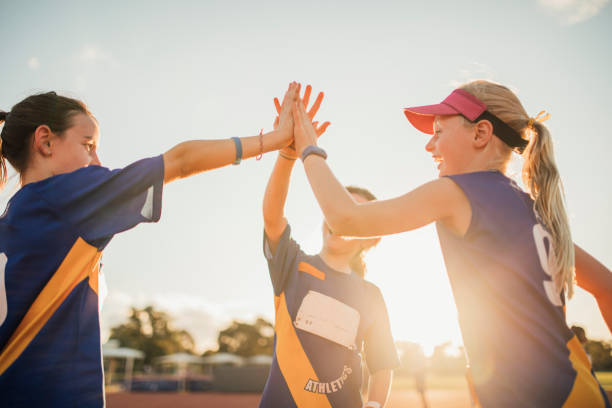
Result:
<point x="55" y="227"/>
<point x="325" y="310"/>
<point x="508" y="253"/>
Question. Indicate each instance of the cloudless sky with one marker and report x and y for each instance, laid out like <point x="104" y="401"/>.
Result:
<point x="158" y="73"/>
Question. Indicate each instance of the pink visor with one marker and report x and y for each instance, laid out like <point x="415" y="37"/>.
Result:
<point x="459" y="102"/>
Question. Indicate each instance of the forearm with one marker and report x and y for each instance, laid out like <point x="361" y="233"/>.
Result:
<point x="595" y="278"/>
<point x="276" y="196"/>
<point x="335" y="202"/>
<point x="440" y="199"/>
<point x="195" y="156"/>
<point x="380" y="385"/>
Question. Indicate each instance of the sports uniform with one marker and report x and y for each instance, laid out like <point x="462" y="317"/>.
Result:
<point x="521" y="352"/>
<point x="51" y="239"/>
<point x="322" y="319"/>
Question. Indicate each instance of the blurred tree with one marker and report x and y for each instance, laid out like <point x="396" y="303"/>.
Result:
<point x="150" y="331"/>
<point x="412" y="358"/>
<point x="246" y="339"/>
<point x="445" y="362"/>
<point x="601" y="354"/>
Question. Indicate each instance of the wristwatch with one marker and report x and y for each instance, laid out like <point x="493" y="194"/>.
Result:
<point x="312" y="149"/>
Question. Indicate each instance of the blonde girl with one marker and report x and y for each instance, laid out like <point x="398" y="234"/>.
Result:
<point x="508" y="252"/>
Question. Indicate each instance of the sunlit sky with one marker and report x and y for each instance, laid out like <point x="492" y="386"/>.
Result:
<point x="158" y="73"/>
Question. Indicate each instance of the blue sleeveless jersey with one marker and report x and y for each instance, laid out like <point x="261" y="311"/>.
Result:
<point x="51" y="239"/>
<point x="519" y="347"/>
<point x="310" y="368"/>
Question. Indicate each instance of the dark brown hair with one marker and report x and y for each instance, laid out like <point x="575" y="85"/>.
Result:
<point x="358" y="264"/>
<point x="49" y="109"/>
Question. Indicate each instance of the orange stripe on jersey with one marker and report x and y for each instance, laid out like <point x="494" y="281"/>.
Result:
<point x="585" y="391"/>
<point x="94" y="277"/>
<point x="81" y="261"/>
<point x="293" y="362"/>
<point x="311" y="270"/>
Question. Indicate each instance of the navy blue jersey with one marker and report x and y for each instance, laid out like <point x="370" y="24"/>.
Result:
<point x="323" y="317"/>
<point x="51" y="239"/>
<point x="521" y="352"/>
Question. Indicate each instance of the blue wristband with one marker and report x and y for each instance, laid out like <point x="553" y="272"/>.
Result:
<point x="238" y="144"/>
<point x="312" y="149"/>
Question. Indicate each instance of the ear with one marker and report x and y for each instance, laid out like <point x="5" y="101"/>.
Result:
<point x="483" y="131"/>
<point x="43" y="138"/>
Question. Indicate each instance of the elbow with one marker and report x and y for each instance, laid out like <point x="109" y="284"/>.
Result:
<point x="175" y="163"/>
<point x="184" y="165"/>
<point x="602" y="291"/>
<point x="342" y="223"/>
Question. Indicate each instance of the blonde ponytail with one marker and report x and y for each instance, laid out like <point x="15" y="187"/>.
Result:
<point x="541" y="177"/>
<point x="540" y="174"/>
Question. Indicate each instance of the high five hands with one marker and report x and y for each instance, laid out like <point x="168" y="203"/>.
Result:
<point x="304" y="128"/>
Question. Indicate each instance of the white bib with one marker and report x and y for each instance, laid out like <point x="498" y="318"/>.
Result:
<point x="329" y="318"/>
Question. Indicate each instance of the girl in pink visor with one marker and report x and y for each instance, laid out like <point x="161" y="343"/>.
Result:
<point x="508" y="252"/>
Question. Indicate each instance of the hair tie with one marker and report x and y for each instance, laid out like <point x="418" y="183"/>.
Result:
<point x="542" y="116"/>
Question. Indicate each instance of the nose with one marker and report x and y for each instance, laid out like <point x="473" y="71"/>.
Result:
<point x="95" y="160"/>
<point x="430" y="144"/>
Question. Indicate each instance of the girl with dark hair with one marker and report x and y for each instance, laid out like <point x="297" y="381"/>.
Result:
<point x="55" y="228"/>
<point x="325" y="310"/>
<point x="508" y="252"/>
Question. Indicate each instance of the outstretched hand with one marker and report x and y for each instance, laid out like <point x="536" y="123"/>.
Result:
<point x="319" y="129"/>
<point x="284" y="121"/>
<point x="306" y="132"/>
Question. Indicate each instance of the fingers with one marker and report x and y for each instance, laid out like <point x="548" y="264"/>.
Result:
<point x="296" y="115"/>
<point x="307" y="92"/>
<point x="320" y="130"/>
<point x="277" y="105"/>
<point x="315" y="106"/>
<point x="290" y="96"/>
<point x="296" y="89"/>
<point x="291" y="93"/>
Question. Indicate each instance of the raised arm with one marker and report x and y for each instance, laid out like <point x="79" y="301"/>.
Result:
<point x="195" y="156"/>
<point x="275" y="197"/>
<point x="380" y="386"/>
<point x="278" y="184"/>
<point x="439" y="200"/>
<point x="595" y="278"/>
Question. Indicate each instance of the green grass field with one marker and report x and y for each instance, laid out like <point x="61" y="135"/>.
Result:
<point x="437" y="382"/>
<point x="605" y="379"/>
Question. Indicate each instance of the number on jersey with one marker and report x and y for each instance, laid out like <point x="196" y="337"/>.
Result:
<point x="547" y="261"/>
